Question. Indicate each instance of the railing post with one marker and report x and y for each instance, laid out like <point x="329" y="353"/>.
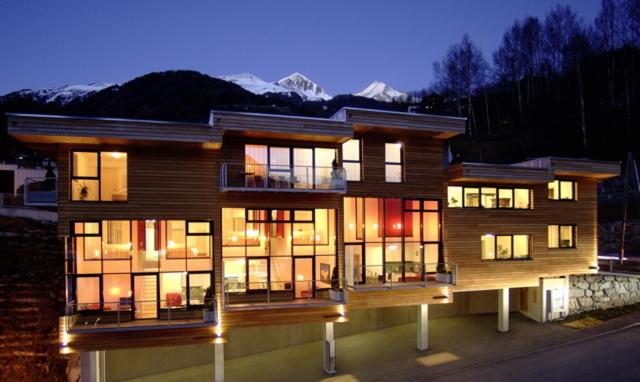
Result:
<point x="309" y="286"/>
<point x="268" y="294"/>
<point x="118" y="315"/>
<point x="169" y="313"/>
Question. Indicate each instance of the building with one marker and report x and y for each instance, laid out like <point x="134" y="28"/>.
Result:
<point x="177" y="233"/>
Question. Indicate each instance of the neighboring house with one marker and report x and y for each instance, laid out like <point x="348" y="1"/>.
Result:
<point x="293" y="219"/>
<point x="14" y="180"/>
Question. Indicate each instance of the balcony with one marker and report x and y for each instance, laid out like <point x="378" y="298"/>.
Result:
<point x="282" y="294"/>
<point x="40" y="192"/>
<point x="129" y="315"/>
<point x="259" y="177"/>
<point x="403" y="275"/>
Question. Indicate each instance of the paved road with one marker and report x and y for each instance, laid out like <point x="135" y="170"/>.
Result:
<point x="612" y="357"/>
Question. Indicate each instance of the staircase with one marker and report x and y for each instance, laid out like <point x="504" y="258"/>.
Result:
<point x="148" y="308"/>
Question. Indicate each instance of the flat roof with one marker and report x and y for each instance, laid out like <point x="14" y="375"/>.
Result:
<point x="42" y="128"/>
<point x="438" y="126"/>
<point x="497" y="173"/>
<point x="575" y="167"/>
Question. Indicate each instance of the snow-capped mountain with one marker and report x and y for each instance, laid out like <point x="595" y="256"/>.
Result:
<point x="294" y="83"/>
<point x="254" y="84"/>
<point x="302" y="85"/>
<point x="382" y="92"/>
<point x="63" y="94"/>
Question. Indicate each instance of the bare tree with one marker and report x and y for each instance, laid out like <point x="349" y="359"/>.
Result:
<point x="461" y="74"/>
<point x="560" y="28"/>
<point x="607" y="36"/>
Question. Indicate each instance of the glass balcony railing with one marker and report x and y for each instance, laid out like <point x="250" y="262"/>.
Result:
<point x="283" y="293"/>
<point x="396" y="275"/>
<point x="259" y="177"/>
<point x="40" y="192"/>
<point x="128" y="314"/>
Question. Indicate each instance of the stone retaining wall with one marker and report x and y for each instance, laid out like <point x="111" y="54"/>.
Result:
<point x="602" y="291"/>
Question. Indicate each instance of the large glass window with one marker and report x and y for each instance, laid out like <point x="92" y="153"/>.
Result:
<point x="393" y="162"/>
<point x="562" y="190"/>
<point x="170" y="258"/>
<point x="504" y="247"/>
<point x="401" y="238"/>
<point x="488" y="197"/>
<point x="561" y="236"/>
<point x="260" y="248"/>
<point x="351" y="159"/>
<point x="99" y="176"/>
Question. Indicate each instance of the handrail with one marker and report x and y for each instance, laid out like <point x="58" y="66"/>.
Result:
<point x="290" y="178"/>
<point x="449" y="270"/>
<point x="231" y="288"/>
<point x="72" y="310"/>
<point x="40" y="191"/>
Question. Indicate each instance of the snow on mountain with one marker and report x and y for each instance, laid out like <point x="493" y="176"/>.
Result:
<point x="302" y="85"/>
<point x="254" y="84"/>
<point x="64" y="94"/>
<point x="382" y="92"/>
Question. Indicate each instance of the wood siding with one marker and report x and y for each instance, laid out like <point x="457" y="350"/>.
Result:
<point x="463" y="228"/>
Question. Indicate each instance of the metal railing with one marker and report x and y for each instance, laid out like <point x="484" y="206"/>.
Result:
<point x="260" y="177"/>
<point x="40" y="192"/>
<point x="404" y="274"/>
<point x="296" y="292"/>
<point x="119" y="313"/>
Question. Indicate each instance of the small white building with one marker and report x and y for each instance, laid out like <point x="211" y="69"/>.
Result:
<point x="13" y="176"/>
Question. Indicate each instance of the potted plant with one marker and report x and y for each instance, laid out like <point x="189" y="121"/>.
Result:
<point x="443" y="275"/>
<point x="335" y="293"/>
<point x="208" y="311"/>
<point x="84" y="192"/>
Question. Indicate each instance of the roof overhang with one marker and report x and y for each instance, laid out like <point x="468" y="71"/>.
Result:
<point x="497" y="173"/>
<point x="51" y="129"/>
<point x="274" y="126"/>
<point x="574" y="167"/>
<point x="436" y="126"/>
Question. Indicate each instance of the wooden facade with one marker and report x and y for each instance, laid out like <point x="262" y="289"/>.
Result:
<point x="179" y="178"/>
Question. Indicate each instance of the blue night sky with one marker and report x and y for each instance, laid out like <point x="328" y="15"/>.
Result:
<point x="342" y="45"/>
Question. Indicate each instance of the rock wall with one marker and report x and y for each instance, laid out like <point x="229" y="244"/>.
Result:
<point x="602" y="291"/>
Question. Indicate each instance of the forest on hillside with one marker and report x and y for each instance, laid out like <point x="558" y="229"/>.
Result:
<point x="554" y="86"/>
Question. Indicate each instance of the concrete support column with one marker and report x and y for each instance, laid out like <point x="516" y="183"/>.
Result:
<point x="328" y="349"/>
<point x="92" y="366"/>
<point x="423" y="327"/>
<point x="218" y="362"/>
<point x="503" y="310"/>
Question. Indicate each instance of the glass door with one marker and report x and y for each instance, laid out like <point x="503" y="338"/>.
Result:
<point x="303" y="168"/>
<point x="257" y="274"/>
<point x="279" y="167"/>
<point x="145" y="296"/>
<point x="353" y="263"/>
<point x="303" y="273"/>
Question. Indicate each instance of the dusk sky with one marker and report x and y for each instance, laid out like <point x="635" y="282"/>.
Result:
<point x="341" y="45"/>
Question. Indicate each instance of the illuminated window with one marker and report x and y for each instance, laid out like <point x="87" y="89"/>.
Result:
<point x="521" y="197"/>
<point x="489" y="197"/>
<point x="562" y="190"/>
<point x="454" y="196"/>
<point x="504" y="247"/>
<point x="99" y="176"/>
<point x="471" y="197"/>
<point x="562" y="236"/>
<point x="351" y="159"/>
<point x="393" y="162"/>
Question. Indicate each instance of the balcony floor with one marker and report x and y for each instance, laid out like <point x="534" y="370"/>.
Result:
<point x="298" y="303"/>
<point x="140" y="324"/>
<point x="399" y="285"/>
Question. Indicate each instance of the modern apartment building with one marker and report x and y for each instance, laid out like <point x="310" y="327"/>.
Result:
<point x="176" y="233"/>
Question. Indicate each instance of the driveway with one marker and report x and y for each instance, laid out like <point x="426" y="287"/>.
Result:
<point x="461" y="348"/>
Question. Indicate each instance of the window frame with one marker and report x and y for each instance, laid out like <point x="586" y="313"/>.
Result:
<point x="401" y="163"/>
<point x="359" y="161"/>
<point x="512" y="258"/>
<point x="574" y="236"/>
<point x="574" y="189"/>
<point x="98" y="178"/>
<point x="497" y="195"/>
